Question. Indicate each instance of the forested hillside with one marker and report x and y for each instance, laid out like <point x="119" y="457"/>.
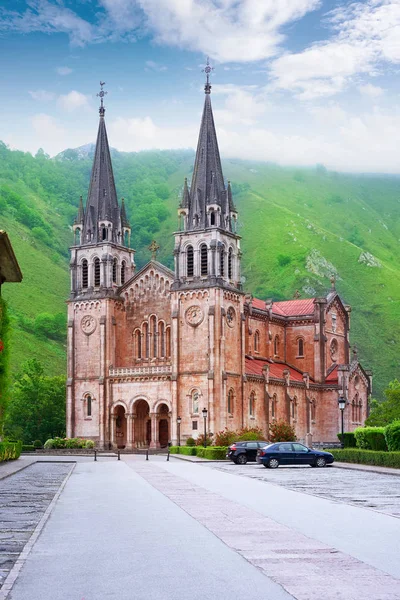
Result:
<point x="299" y="226"/>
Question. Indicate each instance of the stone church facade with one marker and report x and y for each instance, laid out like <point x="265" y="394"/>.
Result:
<point x="146" y="347"/>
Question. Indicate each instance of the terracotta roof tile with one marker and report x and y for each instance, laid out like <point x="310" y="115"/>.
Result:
<point x="255" y="367"/>
<point x="288" y="308"/>
<point x="333" y="376"/>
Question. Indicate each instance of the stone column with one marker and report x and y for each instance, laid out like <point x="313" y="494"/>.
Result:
<point x="129" y="425"/>
<point x="154" y="433"/>
<point x="113" y="431"/>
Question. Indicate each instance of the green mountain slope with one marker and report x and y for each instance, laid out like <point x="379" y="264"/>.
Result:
<point x="298" y="226"/>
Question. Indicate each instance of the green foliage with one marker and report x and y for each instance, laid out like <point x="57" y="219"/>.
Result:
<point x="10" y="450"/>
<point x="187" y="450"/>
<point x="213" y="453"/>
<point x="367" y="457"/>
<point x="4" y="361"/>
<point x="59" y="443"/>
<point x="225" y="437"/>
<point x="392" y="436"/>
<point x="49" y="444"/>
<point x="28" y="448"/>
<point x="281" y="431"/>
<point x="383" y="413"/>
<point x="250" y="433"/>
<point x="89" y="444"/>
<point x="37" y="406"/>
<point x="37" y="444"/>
<point x="370" y="438"/>
<point x="208" y="441"/>
<point x="349" y="439"/>
<point x="190" y="441"/>
<point x="284" y="259"/>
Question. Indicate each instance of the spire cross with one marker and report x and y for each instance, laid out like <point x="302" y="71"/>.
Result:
<point x="207" y="70"/>
<point x="154" y="247"/>
<point x="101" y="95"/>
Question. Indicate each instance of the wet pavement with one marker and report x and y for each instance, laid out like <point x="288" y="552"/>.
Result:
<point x="375" y="491"/>
<point x="24" y="497"/>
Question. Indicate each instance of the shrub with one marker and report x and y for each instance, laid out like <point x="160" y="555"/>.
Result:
<point x="37" y="444"/>
<point x="28" y="448"/>
<point x="212" y="453"/>
<point x="175" y="449"/>
<point x="367" y="457"/>
<point x="225" y="437"/>
<point x="10" y="450"/>
<point x="187" y="450"/>
<point x="281" y="431"/>
<point x="392" y="436"/>
<point x="349" y="439"/>
<point x="49" y="444"/>
<point x="250" y="433"/>
<point x="200" y="440"/>
<point x="370" y="438"/>
<point x="190" y="441"/>
<point x="89" y="444"/>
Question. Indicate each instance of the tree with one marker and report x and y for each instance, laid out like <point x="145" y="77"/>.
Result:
<point x="36" y="410"/>
<point x="383" y="413"/>
<point x="281" y="431"/>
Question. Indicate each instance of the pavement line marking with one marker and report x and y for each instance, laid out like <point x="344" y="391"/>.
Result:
<point x="19" y="563"/>
<point x="305" y="568"/>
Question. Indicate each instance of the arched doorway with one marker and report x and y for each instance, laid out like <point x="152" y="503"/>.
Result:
<point x="120" y="427"/>
<point x="163" y="425"/>
<point x="142" y="424"/>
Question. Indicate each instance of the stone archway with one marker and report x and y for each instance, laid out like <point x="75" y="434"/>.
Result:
<point x="163" y="425"/>
<point x="120" y="426"/>
<point x="142" y="424"/>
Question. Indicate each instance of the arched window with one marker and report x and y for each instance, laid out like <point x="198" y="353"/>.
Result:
<point x="103" y="233"/>
<point x="293" y="409"/>
<point x="273" y="406"/>
<point x="212" y="218"/>
<point x="203" y="260"/>
<point x="353" y="412"/>
<point x="138" y="340"/>
<point x="333" y="349"/>
<point x="195" y="402"/>
<point x="257" y="341"/>
<point x="161" y="331"/>
<point x="190" y="261"/>
<point x="252" y="404"/>
<point x="230" y="402"/>
<point x="115" y="265"/>
<point x="230" y="256"/>
<point x="300" y="347"/>
<point x="77" y="236"/>
<point x="153" y="335"/>
<point x="359" y="412"/>
<point x="222" y="261"/>
<point x="85" y="273"/>
<point x="168" y="340"/>
<point x="146" y="340"/>
<point x="96" y="272"/>
<point x="88" y="406"/>
<point x="123" y="272"/>
<point x="276" y="345"/>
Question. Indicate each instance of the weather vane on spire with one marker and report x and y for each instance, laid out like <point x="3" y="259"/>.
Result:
<point x="101" y="95"/>
<point x="207" y="70"/>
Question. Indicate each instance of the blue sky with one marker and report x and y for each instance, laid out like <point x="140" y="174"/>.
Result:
<point x="295" y="81"/>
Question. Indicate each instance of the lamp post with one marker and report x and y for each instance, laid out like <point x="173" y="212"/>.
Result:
<point x="342" y="406"/>
<point x="204" y="411"/>
<point x="178" y="422"/>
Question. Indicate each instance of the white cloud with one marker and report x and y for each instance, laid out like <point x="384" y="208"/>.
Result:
<point x="63" y="70"/>
<point x="72" y="101"/>
<point x="153" y="66"/>
<point x="142" y="133"/>
<point x="243" y="104"/>
<point x="228" y="30"/>
<point x="373" y="91"/>
<point x="367" y="33"/>
<point x="42" y="95"/>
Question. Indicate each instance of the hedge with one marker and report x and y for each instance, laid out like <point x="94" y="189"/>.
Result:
<point x="392" y="435"/>
<point x="28" y="448"/>
<point x="10" y="450"/>
<point x="211" y="452"/>
<point x="69" y="443"/>
<point x="367" y="457"/>
<point x="349" y="439"/>
<point x="371" y="438"/>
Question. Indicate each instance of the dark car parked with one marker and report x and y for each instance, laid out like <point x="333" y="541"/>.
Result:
<point x="292" y="453"/>
<point x="241" y="452"/>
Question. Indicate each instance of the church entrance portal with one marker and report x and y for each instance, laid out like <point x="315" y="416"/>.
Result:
<point x="163" y="425"/>
<point x="120" y="427"/>
<point x="142" y="424"/>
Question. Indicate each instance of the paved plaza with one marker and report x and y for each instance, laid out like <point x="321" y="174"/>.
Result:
<point x="136" y="529"/>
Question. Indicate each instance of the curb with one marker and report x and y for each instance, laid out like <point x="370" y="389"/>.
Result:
<point x="371" y="468"/>
<point x="19" y="563"/>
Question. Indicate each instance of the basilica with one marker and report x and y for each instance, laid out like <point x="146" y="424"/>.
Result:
<point x="151" y="348"/>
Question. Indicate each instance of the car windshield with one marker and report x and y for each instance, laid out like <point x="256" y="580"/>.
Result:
<point x="268" y="446"/>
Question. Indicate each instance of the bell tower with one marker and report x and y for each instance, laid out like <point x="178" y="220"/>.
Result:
<point x="207" y="248"/>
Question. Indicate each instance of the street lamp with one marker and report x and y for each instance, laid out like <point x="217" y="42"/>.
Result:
<point x="204" y="411"/>
<point x="342" y="406"/>
<point x="179" y="421"/>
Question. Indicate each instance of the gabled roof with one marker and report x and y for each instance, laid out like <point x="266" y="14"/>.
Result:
<point x="9" y="267"/>
<point x="288" y="308"/>
<point x="152" y="264"/>
<point x="255" y="367"/>
<point x="333" y="376"/>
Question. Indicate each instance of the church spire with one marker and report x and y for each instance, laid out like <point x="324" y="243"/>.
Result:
<point x="102" y="215"/>
<point x="207" y="202"/>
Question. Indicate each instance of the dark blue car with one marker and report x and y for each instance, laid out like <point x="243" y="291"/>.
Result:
<point x="292" y="453"/>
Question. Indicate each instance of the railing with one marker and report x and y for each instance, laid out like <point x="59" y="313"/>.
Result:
<point x="151" y="370"/>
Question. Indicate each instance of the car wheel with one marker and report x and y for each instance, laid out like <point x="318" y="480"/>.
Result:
<point x="273" y="463"/>
<point x="320" y="462"/>
<point x="242" y="459"/>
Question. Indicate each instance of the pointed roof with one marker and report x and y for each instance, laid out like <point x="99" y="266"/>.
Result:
<point x="102" y="203"/>
<point x="185" y="202"/>
<point x="80" y="217"/>
<point x="124" y="218"/>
